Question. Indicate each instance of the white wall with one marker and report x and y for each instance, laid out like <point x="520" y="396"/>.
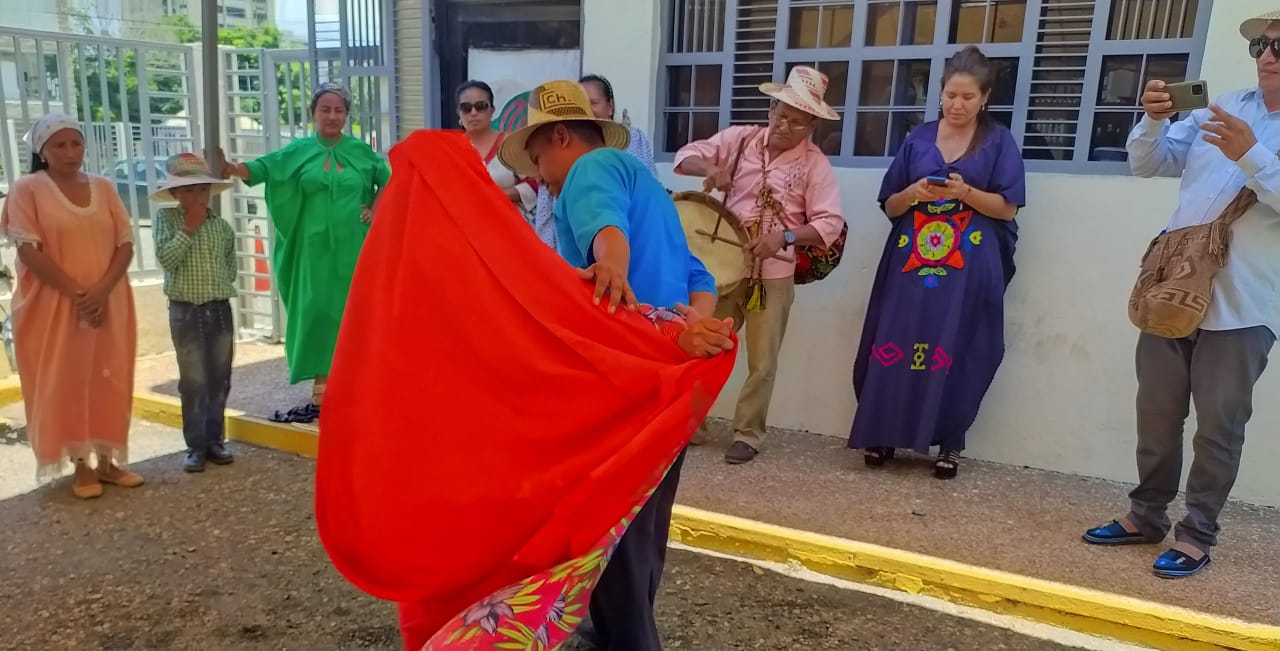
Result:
<point x="1063" y="399"/>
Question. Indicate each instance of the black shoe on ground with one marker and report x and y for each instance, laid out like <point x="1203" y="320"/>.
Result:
<point x="194" y="462"/>
<point x="740" y="453"/>
<point x="219" y="454"/>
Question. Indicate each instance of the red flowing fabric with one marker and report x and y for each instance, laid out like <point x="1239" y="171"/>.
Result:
<point x="483" y="421"/>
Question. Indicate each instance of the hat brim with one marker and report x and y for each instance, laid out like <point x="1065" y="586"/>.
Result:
<point x="787" y="95"/>
<point x="1255" y="27"/>
<point x="165" y="193"/>
<point x="512" y="152"/>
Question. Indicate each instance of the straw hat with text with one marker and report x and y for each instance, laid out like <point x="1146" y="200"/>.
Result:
<point x="556" y="101"/>
<point x="805" y="89"/>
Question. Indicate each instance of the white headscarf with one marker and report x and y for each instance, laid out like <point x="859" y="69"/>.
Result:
<point x="45" y="127"/>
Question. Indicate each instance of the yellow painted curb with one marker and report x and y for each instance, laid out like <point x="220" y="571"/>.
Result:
<point x="1072" y="607"/>
<point x="240" y="426"/>
<point x="1080" y="609"/>
<point x="10" y="392"/>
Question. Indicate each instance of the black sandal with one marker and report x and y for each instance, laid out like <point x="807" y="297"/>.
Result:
<point x="876" y="457"/>
<point x="304" y="414"/>
<point x="947" y="464"/>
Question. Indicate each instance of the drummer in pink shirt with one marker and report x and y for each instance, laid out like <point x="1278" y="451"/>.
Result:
<point x="783" y="190"/>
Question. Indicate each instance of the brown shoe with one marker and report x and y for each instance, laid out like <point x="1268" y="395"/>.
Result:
<point x="119" y="477"/>
<point x="84" y="483"/>
<point x="740" y="453"/>
<point x="86" y="491"/>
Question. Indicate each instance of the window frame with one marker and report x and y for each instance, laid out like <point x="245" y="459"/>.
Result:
<point x="857" y="53"/>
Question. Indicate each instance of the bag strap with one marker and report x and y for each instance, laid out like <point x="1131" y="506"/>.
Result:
<point x="1243" y="201"/>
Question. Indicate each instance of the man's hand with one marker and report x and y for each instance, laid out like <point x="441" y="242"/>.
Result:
<point x="717" y="179"/>
<point x="194" y="219"/>
<point x="613" y="282"/>
<point x="1156" y="102"/>
<point x="767" y="245"/>
<point x="704" y="337"/>
<point x="1228" y="133"/>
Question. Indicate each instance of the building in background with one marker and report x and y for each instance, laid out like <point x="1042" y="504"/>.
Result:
<point x="1069" y="82"/>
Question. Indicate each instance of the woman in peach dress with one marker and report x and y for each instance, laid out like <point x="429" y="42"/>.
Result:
<point x="73" y="319"/>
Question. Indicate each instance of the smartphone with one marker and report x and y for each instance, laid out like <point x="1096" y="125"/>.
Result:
<point x="1188" y="95"/>
<point x="940" y="181"/>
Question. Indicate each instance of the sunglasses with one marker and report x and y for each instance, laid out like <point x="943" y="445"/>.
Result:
<point x="467" y="107"/>
<point x="1261" y="44"/>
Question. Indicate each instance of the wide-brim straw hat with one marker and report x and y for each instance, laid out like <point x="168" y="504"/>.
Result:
<point x="1254" y="27"/>
<point x="556" y="101"/>
<point x="184" y="170"/>
<point x="804" y="90"/>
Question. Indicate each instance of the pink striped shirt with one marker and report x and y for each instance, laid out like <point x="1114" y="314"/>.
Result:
<point x="802" y="179"/>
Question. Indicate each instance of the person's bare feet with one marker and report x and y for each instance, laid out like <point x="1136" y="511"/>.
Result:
<point x="85" y="482"/>
<point x="118" y="476"/>
<point x="1189" y="549"/>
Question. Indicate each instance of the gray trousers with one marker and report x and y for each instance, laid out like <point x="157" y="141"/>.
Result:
<point x="1217" y="370"/>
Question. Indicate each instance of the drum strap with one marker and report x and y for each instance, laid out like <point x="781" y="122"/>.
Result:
<point x="756" y="302"/>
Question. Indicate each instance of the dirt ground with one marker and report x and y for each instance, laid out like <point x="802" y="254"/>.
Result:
<point x="230" y="560"/>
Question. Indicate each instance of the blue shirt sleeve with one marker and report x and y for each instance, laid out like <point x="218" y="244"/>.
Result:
<point x="595" y="196"/>
<point x="700" y="280"/>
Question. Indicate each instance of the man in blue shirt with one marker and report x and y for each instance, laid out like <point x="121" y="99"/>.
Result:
<point x="617" y="224"/>
<point x="1224" y="151"/>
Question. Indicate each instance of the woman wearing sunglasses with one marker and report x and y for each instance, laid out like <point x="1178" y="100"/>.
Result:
<point x="475" y="116"/>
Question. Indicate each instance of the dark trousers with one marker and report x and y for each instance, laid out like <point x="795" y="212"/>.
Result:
<point x="204" y="340"/>
<point x="622" y="603"/>
<point x="1215" y="370"/>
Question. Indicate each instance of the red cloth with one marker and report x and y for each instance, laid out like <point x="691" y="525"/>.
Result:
<point x="483" y="420"/>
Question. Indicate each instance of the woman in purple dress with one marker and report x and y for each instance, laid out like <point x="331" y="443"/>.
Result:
<point x="934" y="332"/>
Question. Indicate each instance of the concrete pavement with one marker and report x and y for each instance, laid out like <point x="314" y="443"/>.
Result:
<point x="995" y="516"/>
<point x="229" y="560"/>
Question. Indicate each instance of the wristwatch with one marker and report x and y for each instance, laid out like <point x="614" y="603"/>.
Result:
<point x="788" y="238"/>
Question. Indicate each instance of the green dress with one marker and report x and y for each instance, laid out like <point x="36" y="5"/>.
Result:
<point x="315" y="193"/>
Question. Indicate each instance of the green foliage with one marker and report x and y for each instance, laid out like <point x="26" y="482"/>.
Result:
<point x="102" y="63"/>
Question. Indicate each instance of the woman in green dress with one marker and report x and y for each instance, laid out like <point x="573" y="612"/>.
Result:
<point x="320" y="193"/>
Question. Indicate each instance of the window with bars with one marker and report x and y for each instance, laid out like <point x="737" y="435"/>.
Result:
<point x="1069" y="73"/>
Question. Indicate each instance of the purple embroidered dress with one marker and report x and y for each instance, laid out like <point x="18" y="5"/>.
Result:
<point x="934" y="332"/>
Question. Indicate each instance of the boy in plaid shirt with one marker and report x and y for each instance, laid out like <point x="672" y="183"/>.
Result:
<point x="197" y="250"/>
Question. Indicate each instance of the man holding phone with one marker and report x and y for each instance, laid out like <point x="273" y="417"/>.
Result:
<point x="1233" y="143"/>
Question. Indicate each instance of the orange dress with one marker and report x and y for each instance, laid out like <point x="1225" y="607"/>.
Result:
<point x="77" y="381"/>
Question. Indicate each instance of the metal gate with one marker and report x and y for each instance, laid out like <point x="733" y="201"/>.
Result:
<point x="135" y="101"/>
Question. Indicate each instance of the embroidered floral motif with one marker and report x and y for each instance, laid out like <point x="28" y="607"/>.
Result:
<point x="937" y="244"/>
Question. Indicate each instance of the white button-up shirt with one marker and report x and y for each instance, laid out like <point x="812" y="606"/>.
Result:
<point x="1246" y="292"/>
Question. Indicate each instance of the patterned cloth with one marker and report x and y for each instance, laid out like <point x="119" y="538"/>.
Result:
<point x="543" y="220"/>
<point x="197" y="268"/>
